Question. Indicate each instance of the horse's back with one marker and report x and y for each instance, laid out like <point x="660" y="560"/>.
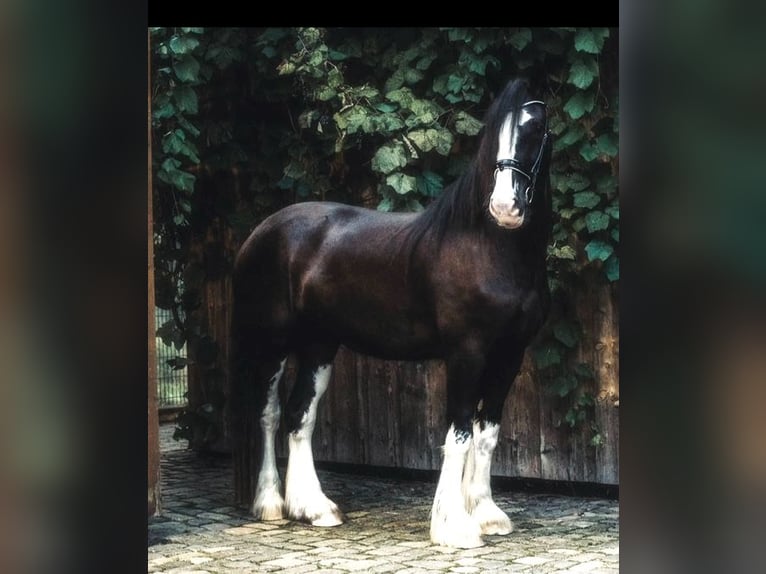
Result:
<point x="338" y="269"/>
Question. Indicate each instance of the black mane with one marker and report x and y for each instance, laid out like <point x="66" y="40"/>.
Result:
<point x="463" y="204"/>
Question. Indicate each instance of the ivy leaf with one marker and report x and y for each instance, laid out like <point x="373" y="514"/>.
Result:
<point x="187" y="69"/>
<point x="579" y="104"/>
<point x="566" y="333"/>
<point x="615" y="234"/>
<point x="596" y="221"/>
<point x="613" y="211"/>
<point x="588" y="152"/>
<point x="179" y="179"/>
<point x="584" y="371"/>
<point x="563" y="252"/>
<point x="386" y="108"/>
<point x="455" y="83"/>
<point x="164" y="110"/>
<point x="353" y="120"/>
<point x="574" y="181"/>
<point x="325" y="93"/>
<point x="307" y="118"/>
<point x="477" y="65"/>
<point x="430" y="184"/>
<point x="587" y="199"/>
<point x="466" y="124"/>
<point x="188" y="126"/>
<point x="336" y="55"/>
<point x="583" y="72"/>
<point x="520" y="38"/>
<point x="612" y="268"/>
<point x="564" y="384"/>
<point x="574" y="134"/>
<point x="286" y="68"/>
<point x="425" y="61"/>
<point x="386" y="204"/>
<point x="395" y="81"/>
<point x="182" y="44"/>
<point x="167" y="332"/>
<point x="412" y="76"/>
<point x="606" y="144"/>
<point x="424" y="112"/>
<point x="431" y="138"/>
<point x="389" y="157"/>
<point x="401" y="183"/>
<point x="387" y="123"/>
<point x="597" y="249"/>
<point x="186" y="98"/>
<point x="590" y="40"/>
<point x="546" y="355"/>
<point x="401" y="96"/>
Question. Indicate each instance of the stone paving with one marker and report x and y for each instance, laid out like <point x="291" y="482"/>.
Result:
<point x="200" y="531"/>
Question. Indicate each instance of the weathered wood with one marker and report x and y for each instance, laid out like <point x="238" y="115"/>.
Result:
<point x="392" y="414"/>
<point x="153" y="447"/>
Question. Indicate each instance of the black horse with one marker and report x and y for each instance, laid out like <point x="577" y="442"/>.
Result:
<point x="463" y="281"/>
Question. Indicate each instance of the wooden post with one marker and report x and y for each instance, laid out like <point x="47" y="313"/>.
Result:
<point x="153" y="449"/>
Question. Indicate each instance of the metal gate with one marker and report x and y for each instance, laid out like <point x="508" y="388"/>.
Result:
<point x="171" y="376"/>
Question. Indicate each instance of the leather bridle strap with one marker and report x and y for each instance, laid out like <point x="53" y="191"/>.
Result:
<point x="512" y="163"/>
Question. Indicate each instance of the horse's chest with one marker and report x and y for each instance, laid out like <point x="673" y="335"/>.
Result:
<point x="527" y="316"/>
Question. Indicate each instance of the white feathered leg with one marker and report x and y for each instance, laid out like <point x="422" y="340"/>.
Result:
<point x="451" y="525"/>
<point x="476" y="486"/>
<point x="268" y="503"/>
<point x="304" y="498"/>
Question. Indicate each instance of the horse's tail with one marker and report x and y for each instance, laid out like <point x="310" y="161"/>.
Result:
<point x="242" y="408"/>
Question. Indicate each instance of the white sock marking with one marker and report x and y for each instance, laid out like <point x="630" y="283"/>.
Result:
<point x="268" y="503"/>
<point x="476" y="483"/>
<point x="304" y="498"/>
<point x="451" y="525"/>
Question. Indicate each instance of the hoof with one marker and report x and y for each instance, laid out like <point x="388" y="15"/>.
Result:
<point x="268" y="505"/>
<point x="501" y="528"/>
<point x="323" y="512"/>
<point x="333" y="518"/>
<point x="491" y="519"/>
<point x="462" y="533"/>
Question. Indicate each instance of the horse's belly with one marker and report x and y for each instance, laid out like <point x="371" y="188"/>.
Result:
<point x="380" y="327"/>
<point x="388" y="341"/>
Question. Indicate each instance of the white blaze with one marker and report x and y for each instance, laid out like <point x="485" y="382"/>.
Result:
<point x="502" y="204"/>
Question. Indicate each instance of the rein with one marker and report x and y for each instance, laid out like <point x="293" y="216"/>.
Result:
<point x="515" y="165"/>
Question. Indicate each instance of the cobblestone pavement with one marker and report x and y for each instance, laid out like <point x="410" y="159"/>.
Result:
<point x="199" y="530"/>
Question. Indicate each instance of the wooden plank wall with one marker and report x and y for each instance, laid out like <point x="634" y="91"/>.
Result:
<point x="392" y="413"/>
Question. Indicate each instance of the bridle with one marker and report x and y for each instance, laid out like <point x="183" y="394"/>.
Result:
<point x="514" y="164"/>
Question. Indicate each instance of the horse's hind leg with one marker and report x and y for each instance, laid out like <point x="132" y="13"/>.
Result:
<point x="256" y="369"/>
<point x="268" y="503"/>
<point x="304" y="498"/>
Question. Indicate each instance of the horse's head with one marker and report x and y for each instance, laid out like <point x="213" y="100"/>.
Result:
<point x="523" y="143"/>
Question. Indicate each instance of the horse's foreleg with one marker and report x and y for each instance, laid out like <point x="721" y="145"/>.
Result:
<point x="304" y="498"/>
<point x="495" y="384"/>
<point x="451" y="524"/>
<point x="268" y="503"/>
<point x="476" y="483"/>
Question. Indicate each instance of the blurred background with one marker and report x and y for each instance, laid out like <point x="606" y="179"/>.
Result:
<point x="73" y="180"/>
